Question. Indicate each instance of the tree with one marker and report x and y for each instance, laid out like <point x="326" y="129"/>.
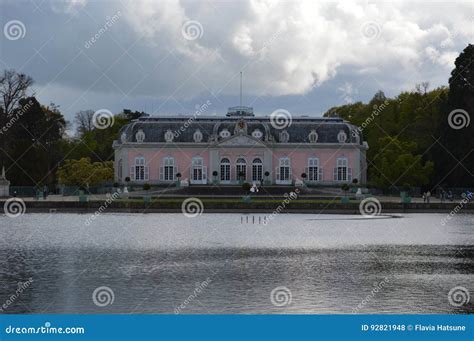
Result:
<point x="85" y="173"/>
<point x="84" y="121"/>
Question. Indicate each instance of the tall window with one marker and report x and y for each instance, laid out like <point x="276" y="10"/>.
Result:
<point x="257" y="168"/>
<point x="241" y="169"/>
<point x="198" y="171"/>
<point x="342" y="171"/>
<point x="313" y="169"/>
<point x="168" y="169"/>
<point x="225" y="169"/>
<point x="284" y="170"/>
<point x="139" y="171"/>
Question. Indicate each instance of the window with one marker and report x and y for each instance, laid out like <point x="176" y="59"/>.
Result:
<point x="284" y="171"/>
<point x="257" y="169"/>
<point x="342" y="172"/>
<point x="313" y="169"/>
<point x="139" y="171"/>
<point x="257" y="134"/>
<point x="140" y="136"/>
<point x="241" y="169"/>
<point x="225" y="170"/>
<point x="342" y="137"/>
<point x="313" y="136"/>
<point x="197" y="136"/>
<point x="198" y="171"/>
<point x="168" y="171"/>
<point x="169" y="136"/>
<point x="284" y="136"/>
<point x="224" y="133"/>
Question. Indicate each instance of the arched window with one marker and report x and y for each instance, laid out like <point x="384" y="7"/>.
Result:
<point x="314" y="172"/>
<point x="313" y="136"/>
<point x="168" y="170"/>
<point x="139" y="171"/>
<point x="284" y="136"/>
<point x="284" y="171"/>
<point x="342" y="172"/>
<point x="169" y="136"/>
<point x="225" y="170"/>
<point x="342" y="137"/>
<point x="241" y="169"/>
<point x="197" y="136"/>
<point x="198" y="171"/>
<point x="257" y="169"/>
<point x="140" y="136"/>
<point x="224" y="133"/>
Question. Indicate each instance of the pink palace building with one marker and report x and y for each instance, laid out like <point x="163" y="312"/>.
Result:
<point x="240" y="147"/>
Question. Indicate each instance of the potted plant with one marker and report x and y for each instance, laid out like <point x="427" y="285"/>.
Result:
<point x="215" y="180"/>
<point x="241" y="178"/>
<point x="146" y="188"/>
<point x="246" y="188"/>
<point x="304" y="176"/>
<point x="267" y="181"/>
<point x="345" y="187"/>
<point x="405" y="193"/>
<point x="178" y="182"/>
<point x="354" y="185"/>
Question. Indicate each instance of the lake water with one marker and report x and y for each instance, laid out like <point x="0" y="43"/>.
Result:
<point x="219" y="263"/>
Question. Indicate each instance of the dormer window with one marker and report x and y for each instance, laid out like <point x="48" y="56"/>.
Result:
<point x="169" y="136"/>
<point x="342" y="137"/>
<point x="197" y="136"/>
<point x="284" y="136"/>
<point x="313" y="136"/>
<point x="140" y="136"/>
<point x="224" y="133"/>
<point x="257" y="134"/>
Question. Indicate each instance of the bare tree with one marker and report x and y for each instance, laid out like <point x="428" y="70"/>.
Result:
<point x="84" y="121"/>
<point x="13" y="87"/>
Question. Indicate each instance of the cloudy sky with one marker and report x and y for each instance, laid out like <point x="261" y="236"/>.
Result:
<point x="170" y="56"/>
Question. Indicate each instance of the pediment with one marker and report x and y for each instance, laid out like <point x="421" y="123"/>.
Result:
<point x="241" y="140"/>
